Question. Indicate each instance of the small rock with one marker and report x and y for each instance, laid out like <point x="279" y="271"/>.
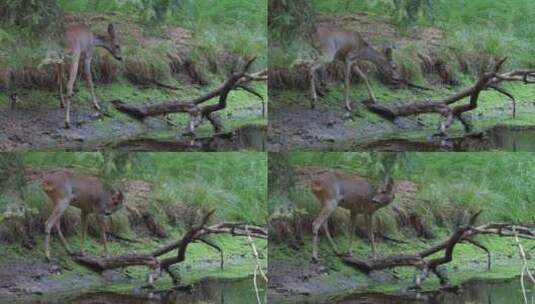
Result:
<point x="112" y="276"/>
<point x="74" y="136"/>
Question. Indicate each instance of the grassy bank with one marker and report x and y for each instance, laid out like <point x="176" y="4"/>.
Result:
<point x="468" y="263"/>
<point x="189" y="45"/>
<point x="444" y="45"/>
<point x="170" y="190"/>
<point x="435" y="192"/>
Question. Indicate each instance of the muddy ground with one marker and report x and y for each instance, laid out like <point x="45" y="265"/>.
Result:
<point x="42" y="129"/>
<point x="306" y="278"/>
<point x="298" y="127"/>
<point x="25" y="279"/>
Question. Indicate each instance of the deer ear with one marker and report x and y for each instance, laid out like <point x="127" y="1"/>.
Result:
<point x="119" y="196"/>
<point x="389" y="184"/>
<point x="111" y="30"/>
<point x="388" y="52"/>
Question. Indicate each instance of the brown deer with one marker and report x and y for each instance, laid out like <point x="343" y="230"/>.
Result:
<point x="351" y="48"/>
<point x="87" y="193"/>
<point x="81" y="41"/>
<point x="354" y="193"/>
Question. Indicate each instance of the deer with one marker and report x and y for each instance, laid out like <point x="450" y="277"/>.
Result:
<point x="354" y="193"/>
<point x="81" y="44"/>
<point x="351" y="48"/>
<point x="87" y="193"/>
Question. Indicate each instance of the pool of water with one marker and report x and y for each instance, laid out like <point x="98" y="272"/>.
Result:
<point x="247" y="137"/>
<point x="207" y="291"/>
<point x="503" y="138"/>
<point x="474" y="292"/>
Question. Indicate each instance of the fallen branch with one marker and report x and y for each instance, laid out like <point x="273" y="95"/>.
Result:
<point x="238" y="80"/>
<point x="464" y="233"/>
<point x="444" y="106"/>
<point x="151" y="260"/>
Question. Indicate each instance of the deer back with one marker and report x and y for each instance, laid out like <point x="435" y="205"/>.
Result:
<point x="85" y="192"/>
<point x="336" y="43"/>
<point x="343" y="188"/>
<point x="80" y="38"/>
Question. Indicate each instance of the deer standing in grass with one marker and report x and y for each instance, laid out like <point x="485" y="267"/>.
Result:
<point x="82" y="43"/>
<point x="351" y="48"/>
<point x="88" y="194"/>
<point x="354" y="193"/>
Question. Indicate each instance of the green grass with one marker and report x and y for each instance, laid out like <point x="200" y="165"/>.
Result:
<point x="234" y="184"/>
<point x="219" y="44"/>
<point x="200" y="180"/>
<point x="497" y="183"/>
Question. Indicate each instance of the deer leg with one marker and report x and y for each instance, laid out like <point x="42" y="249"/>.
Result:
<point x="347" y="82"/>
<point x="366" y="82"/>
<point x="325" y="212"/>
<point x="84" y="231"/>
<point x="73" y="72"/>
<point x="328" y="234"/>
<point x="58" y="211"/>
<point x="60" y="83"/>
<point x="61" y="237"/>
<point x="369" y="226"/>
<point x="313" y="91"/>
<point x="103" y="234"/>
<point x="352" y="228"/>
<point x="87" y="69"/>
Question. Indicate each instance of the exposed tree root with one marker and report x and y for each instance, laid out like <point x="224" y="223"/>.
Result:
<point x="236" y="81"/>
<point x="151" y="260"/>
<point x="464" y="233"/>
<point x="445" y="107"/>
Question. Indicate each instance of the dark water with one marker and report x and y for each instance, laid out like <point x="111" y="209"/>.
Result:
<point x="248" y="137"/>
<point x="473" y="292"/>
<point x="504" y="138"/>
<point x="205" y="292"/>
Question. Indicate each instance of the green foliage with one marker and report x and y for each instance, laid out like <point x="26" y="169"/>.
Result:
<point x="37" y="15"/>
<point x="401" y="12"/>
<point x="235" y="184"/>
<point x="448" y="183"/>
<point x="288" y="19"/>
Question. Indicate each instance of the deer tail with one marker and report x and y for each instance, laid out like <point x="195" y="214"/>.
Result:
<point x="315" y="185"/>
<point x="47" y="185"/>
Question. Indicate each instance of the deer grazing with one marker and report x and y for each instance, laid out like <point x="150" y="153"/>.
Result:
<point x="351" y="48"/>
<point x="88" y="194"/>
<point x="81" y="45"/>
<point x="354" y="193"/>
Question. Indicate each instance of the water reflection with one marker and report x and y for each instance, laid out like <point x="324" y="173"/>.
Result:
<point x="502" y="138"/>
<point x="497" y="292"/>
<point x="209" y="291"/>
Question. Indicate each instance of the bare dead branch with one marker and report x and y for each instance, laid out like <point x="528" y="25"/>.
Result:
<point x="235" y="81"/>
<point x="196" y="233"/>
<point x="444" y="106"/>
<point x="463" y="233"/>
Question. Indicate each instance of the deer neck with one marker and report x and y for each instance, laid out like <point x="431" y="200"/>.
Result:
<point x="104" y="42"/>
<point x="376" y="57"/>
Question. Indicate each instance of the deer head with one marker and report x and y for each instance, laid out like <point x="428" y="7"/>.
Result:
<point x="389" y="68"/>
<point x="385" y="193"/>
<point x="111" y="203"/>
<point x="111" y="43"/>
